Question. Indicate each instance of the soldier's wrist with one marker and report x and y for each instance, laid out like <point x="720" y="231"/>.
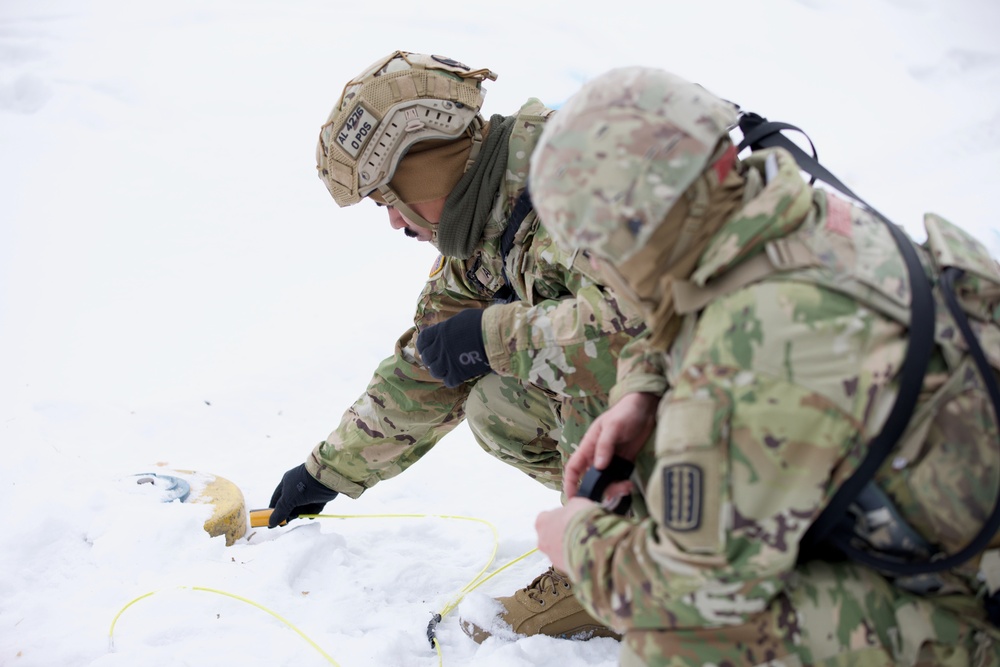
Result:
<point x="578" y="531"/>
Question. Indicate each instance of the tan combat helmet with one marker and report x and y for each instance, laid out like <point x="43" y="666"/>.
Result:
<point x="398" y="101"/>
<point x="618" y="156"/>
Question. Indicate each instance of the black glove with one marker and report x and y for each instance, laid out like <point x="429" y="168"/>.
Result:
<point x="298" y="493"/>
<point x="453" y="350"/>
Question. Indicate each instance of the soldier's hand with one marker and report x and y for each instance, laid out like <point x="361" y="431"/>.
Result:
<point x="551" y="529"/>
<point x="298" y="493"/>
<point x="622" y="429"/>
<point x="453" y="350"/>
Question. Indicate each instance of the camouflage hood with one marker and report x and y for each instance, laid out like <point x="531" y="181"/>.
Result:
<point x="620" y="155"/>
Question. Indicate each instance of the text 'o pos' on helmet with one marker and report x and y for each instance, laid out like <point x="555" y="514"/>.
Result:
<point x="618" y="155"/>
<point x="398" y="101"/>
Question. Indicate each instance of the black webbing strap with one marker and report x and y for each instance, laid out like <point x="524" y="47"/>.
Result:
<point x="842" y="538"/>
<point x="756" y="128"/>
<point x="911" y="380"/>
<point x="522" y="207"/>
<point x="758" y="133"/>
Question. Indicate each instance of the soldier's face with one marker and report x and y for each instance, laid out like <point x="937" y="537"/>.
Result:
<point x="430" y="211"/>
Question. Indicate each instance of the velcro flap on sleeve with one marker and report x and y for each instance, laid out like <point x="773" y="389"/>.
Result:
<point x="685" y="424"/>
<point x="688" y="492"/>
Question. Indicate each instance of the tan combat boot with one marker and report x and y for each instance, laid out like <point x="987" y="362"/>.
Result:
<point x="546" y="606"/>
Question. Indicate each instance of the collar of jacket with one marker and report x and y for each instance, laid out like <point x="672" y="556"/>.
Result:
<point x="775" y="211"/>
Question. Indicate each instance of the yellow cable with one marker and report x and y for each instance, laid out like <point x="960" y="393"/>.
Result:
<point x="493" y="529"/>
<point x="451" y="606"/>
<point x="111" y="638"/>
<point x="476" y="581"/>
<point x="111" y="632"/>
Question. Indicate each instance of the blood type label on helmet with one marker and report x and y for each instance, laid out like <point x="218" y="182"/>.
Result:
<point x="356" y="130"/>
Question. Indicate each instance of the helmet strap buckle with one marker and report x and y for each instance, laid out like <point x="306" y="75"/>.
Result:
<point x="393" y="200"/>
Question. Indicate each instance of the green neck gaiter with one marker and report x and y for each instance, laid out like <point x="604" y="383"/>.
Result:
<point x="467" y="209"/>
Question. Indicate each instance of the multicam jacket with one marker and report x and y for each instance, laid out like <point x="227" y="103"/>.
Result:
<point x="563" y="335"/>
<point x="778" y="381"/>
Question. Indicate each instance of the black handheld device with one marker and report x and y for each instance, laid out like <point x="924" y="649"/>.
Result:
<point x="595" y="482"/>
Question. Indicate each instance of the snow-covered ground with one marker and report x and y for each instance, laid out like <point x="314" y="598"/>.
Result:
<point x="178" y="290"/>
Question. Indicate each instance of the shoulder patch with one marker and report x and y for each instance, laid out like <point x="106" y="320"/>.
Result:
<point x="683" y="496"/>
<point x="437" y="267"/>
<point x="838" y="216"/>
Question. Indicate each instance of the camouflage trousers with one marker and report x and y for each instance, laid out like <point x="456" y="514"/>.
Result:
<point x="833" y="614"/>
<point x="530" y="429"/>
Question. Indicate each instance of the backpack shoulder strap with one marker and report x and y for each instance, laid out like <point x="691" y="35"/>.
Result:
<point x="522" y="207"/>
<point x="758" y="132"/>
<point x="833" y="523"/>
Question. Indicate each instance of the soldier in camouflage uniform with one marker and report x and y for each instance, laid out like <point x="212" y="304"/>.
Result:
<point x="508" y="333"/>
<point x="782" y="311"/>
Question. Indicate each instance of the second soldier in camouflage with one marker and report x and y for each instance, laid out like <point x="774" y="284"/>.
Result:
<point x="782" y="312"/>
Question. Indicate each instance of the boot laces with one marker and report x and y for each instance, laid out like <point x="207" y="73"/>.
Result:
<point x="550" y="581"/>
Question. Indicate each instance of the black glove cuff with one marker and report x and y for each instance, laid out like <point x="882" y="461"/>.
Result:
<point x="312" y="489"/>
<point x="465" y="341"/>
<point x="453" y="350"/>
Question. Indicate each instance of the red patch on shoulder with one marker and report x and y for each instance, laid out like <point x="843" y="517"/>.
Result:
<point x="838" y="216"/>
<point x="725" y="163"/>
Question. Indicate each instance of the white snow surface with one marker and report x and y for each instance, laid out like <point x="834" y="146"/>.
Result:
<point x="179" y="291"/>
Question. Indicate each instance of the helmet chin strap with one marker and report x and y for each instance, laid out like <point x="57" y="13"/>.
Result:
<point x="391" y="199"/>
<point x="476" y="127"/>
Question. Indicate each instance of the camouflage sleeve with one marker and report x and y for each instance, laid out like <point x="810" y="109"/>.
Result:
<point x="402" y="414"/>
<point x="747" y="438"/>
<point x="404" y="411"/>
<point x="725" y="519"/>
<point x="568" y="345"/>
<point x="640" y="369"/>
